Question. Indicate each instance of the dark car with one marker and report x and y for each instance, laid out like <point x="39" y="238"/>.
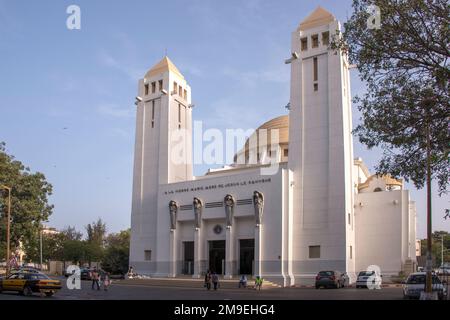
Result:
<point x="329" y="279"/>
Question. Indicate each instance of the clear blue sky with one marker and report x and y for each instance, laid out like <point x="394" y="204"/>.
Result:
<point x="66" y="97"/>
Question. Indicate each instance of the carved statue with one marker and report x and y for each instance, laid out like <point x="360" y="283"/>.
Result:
<point x="229" y="209"/>
<point x="198" y="207"/>
<point x="258" y="203"/>
<point x="173" y="209"/>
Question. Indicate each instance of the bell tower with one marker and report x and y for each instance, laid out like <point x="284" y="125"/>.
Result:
<point x="162" y="153"/>
<point x="320" y="150"/>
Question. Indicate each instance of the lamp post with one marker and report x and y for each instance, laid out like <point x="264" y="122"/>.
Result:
<point x="8" y="227"/>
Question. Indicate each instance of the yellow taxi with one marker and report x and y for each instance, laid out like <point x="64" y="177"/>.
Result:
<point x="26" y="283"/>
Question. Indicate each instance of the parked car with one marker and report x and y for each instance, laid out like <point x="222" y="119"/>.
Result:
<point x="442" y="271"/>
<point x="328" y="279"/>
<point x="415" y="284"/>
<point x="368" y="278"/>
<point x="26" y="283"/>
<point x="25" y="270"/>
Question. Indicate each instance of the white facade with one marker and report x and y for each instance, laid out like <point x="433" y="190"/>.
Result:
<point x="320" y="211"/>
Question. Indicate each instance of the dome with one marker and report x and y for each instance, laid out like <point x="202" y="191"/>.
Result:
<point x="386" y="179"/>
<point x="280" y="123"/>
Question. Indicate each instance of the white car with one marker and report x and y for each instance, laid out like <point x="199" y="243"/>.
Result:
<point x="368" y="279"/>
<point x="415" y="284"/>
<point x="443" y="271"/>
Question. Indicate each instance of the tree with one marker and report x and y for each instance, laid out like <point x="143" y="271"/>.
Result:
<point x="437" y="247"/>
<point x="29" y="200"/>
<point x="94" y="247"/>
<point x="116" y="258"/>
<point x="96" y="232"/>
<point x="405" y="110"/>
<point x="405" y="67"/>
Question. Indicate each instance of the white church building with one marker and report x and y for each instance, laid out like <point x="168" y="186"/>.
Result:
<point x="321" y="210"/>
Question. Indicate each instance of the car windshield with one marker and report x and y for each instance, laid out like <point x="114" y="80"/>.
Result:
<point x="366" y="273"/>
<point x="38" y="277"/>
<point x="326" y="273"/>
<point x="420" y="279"/>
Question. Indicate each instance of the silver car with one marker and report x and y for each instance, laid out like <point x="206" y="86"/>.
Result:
<point x="415" y="284"/>
<point x="369" y="279"/>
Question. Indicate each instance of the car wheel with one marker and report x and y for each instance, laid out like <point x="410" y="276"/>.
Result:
<point x="49" y="294"/>
<point x="27" y="291"/>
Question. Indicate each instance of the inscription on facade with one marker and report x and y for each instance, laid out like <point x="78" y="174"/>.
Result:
<point x="219" y="186"/>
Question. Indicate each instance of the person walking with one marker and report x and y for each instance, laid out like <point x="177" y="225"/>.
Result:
<point x="95" y="278"/>
<point x="106" y="281"/>
<point x="258" y="283"/>
<point x="215" y="280"/>
<point x="208" y="280"/>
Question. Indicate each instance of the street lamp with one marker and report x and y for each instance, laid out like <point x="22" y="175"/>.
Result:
<point x="8" y="226"/>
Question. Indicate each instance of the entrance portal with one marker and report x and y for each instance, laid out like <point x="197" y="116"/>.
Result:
<point x="246" y="256"/>
<point x="188" y="261"/>
<point x="217" y="256"/>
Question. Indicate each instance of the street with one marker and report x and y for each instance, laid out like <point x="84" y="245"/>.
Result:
<point x="118" y="291"/>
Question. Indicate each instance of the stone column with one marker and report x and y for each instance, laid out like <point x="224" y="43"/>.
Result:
<point x="258" y="250"/>
<point x="229" y="253"/>
<point x="173" y="254"/>
<point x="197" y="253"/>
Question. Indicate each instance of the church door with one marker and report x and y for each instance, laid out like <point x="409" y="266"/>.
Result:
<point x="246" y="256"/>
<point x="217" y="256"/>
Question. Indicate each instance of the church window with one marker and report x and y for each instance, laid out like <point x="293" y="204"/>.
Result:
<point x="304" y="42"/>
<point x="146" y="89"/>
<point x="315" y="74"/>
<point x="185" y="94"/>
<point x="315" y="41"/>
<point x="351" y="252"/>
<point x="315" y="68"/>
<point x="175" y="87"/>
<point x="180" y="91"/>
<point x="153" y="87"/>
<point x="314" y="252"/>
<point x="147" y="255"/>
<point x="285" y="152"/>
<point x="153" y="113"/>
<point x="326" y="38"/>
<point x="349" y="218"/>
<point x="160" y="82"/>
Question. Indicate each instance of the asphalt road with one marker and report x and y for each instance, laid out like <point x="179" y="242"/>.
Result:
<point x="141" y="292"/>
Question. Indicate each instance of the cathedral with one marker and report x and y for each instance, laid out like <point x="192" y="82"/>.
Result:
<point x="320" y="210"/>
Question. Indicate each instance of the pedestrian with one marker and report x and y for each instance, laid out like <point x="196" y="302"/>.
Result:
<point x="208" y="280"/>
<point x="215" y="280"/>
<point x="106" y="281"/>
<point x="95" y="278"/>
<point x="243" y="281"/>
<point x="130" y="272"/>
<point x="258" y="283"/>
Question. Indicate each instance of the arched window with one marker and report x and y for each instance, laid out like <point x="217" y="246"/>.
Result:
<point x="377" y="190"/>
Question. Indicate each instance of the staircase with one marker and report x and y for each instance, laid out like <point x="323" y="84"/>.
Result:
<point x="190" y="283"/>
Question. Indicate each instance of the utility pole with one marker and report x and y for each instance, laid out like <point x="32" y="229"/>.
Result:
<point x="442" y="252"/>
<point x="8" y="227"/>
<point x="40" y="241"/>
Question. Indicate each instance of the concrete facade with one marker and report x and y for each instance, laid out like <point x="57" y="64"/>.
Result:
<point x="320" y="209"/>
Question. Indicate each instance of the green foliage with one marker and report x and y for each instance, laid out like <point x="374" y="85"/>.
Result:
<point x="116" y="258"/>
<point x="29" y="200"/>
<point x="405" y="67"/>
<point x="436" y="247"/>
<point x="96" y="232"/>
